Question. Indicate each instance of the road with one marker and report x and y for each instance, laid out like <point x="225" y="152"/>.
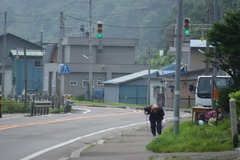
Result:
<point x="56" y="136"/>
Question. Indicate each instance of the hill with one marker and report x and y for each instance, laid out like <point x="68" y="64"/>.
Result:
<point x="142" y="19"/>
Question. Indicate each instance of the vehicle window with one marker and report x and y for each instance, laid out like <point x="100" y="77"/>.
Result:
<point x="204" y="87"/>
<point x="223" y="82"/>
<point x="31" y="92"/>
<point x="205" y="83"/>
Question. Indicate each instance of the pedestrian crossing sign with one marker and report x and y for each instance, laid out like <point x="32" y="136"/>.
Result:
<point x="64" y="69"/>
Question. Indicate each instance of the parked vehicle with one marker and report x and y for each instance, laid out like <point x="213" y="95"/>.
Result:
<point x="204" y="89"/>
<point x="31" y="93"/>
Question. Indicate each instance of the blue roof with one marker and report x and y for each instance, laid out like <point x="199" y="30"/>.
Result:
<point x="129" y="77"/>
<point x="169" y="69"/>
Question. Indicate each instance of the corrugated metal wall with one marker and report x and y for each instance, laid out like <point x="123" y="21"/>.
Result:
<point x="133" y="94"/>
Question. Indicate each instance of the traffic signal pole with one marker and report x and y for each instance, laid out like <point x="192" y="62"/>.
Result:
<point x="90" y="52"/>
<point x="177" y="69"/>
<point x="60" y="60"/>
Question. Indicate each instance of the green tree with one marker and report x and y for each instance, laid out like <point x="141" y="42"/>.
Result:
<point x="157" y="61"/>
<point x="225" y="38"/>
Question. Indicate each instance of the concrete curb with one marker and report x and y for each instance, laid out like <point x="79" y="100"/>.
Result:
<point x="77" y="153"/>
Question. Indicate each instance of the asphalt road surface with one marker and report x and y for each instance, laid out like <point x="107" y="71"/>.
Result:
<point x="51" y="137"/>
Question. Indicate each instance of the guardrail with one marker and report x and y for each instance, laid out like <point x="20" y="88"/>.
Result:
<point x="40" y="107"/>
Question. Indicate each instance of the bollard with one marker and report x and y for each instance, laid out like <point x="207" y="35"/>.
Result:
<point x="67" y="107"/>
<point x="233" y="116"/>
<point x="32" y="107"/>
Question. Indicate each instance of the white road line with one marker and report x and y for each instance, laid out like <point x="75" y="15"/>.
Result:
<point x="74" y="140"/>
<point x="86" y="111"/>
<point x="82" y="137"/>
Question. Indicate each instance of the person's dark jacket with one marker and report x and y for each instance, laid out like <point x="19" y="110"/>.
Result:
<point x="155" y="116"/>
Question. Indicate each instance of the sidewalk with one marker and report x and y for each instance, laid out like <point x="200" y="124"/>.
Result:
<point x="14" y="115"/>
<point x="131" y="145"/>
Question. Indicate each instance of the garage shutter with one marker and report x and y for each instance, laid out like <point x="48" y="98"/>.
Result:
<point x="133" y="94"/>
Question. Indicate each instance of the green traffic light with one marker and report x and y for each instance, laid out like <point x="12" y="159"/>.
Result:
<point x="99" y="35"/>
<point x="187" y="32"/>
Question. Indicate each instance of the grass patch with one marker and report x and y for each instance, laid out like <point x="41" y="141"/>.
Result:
<point x="107" y="138"/>
<point x="120" y="105"/>
<point x="91" y="146"/>
<point x="194" y="138"/>
<point x="56" y="110"/>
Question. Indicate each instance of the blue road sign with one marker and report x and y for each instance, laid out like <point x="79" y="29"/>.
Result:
<point x="65" y="69"/>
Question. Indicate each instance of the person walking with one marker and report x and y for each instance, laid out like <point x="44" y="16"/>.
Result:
<point x="156" y="116"/>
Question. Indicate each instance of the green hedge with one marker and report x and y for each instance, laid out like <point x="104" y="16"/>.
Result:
<point x="11" y="106"/>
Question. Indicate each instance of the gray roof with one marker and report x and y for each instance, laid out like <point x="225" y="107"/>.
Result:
<point x="48" y="53"/>
<point x="129" y="77"/>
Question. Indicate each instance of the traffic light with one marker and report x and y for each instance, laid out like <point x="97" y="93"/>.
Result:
<point x="186" y="26"/>
<point x="87" y="34"/>
<point x="99" y="29"/>
<point x="82" y="28"/>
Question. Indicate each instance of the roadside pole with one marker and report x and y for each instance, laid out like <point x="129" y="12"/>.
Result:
<point x="233" y="116"/>
<point x="148" y="84"/>
<point x="177" y="69"/>
<point x="90" y="53"/>
<point x="25" y="77"/>
<point x="60" y="61"/>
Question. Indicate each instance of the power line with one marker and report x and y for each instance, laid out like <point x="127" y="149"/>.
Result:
<point x="117" y="26"/>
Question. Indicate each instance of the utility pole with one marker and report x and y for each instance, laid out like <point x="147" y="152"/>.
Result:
<point x="177" y="69"/>
<point x="215" y="10"/>
<point x="4" y="52"/>
<point x="41" y="40"/>
<point x="214" y="75"/>
<point x="25" y="77"/>
<point x="149" y="67"/>
<point x="90" y="52"/>
<point x="237" y="5"/>
<point x="207" y="44"/>
<point x="60" y="60"/>
<point x="221" y="11"/>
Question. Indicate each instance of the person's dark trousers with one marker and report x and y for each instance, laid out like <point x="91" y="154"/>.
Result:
<point x="156" y="125"/>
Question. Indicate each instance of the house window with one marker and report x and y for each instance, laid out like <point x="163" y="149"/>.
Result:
<point x="73" y="83"/>
<point x="37" y="63"/>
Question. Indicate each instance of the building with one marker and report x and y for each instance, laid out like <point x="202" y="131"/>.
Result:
<point x="32" y="74"/>
<point x="133" y="88"/>
<point x="111" y="58"/>
<point x="193" y="65"/>
<point x="186" y="78"/>
<point x="12" y="43"/>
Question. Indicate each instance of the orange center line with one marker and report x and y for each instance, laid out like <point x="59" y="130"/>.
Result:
<point x="62" y="119"/>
